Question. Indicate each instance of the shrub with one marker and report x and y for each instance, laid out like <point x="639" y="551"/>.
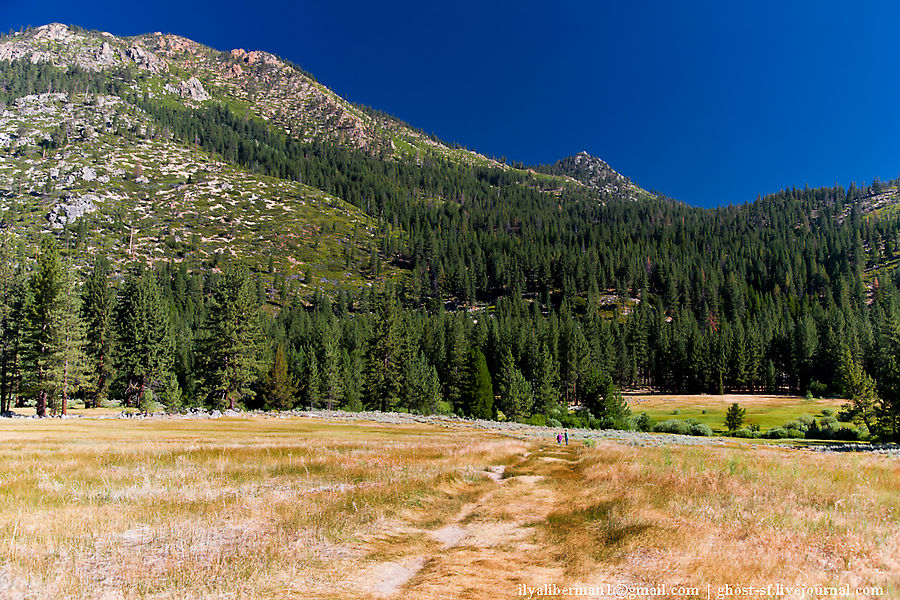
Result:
<point x="827" y="412"/>
<point x="553" y="422"/>
<point x="589" y="442"/>
<point x="673" y="426"/>
<point x="796" y="424"/>
<point x="643" y="422"/>
<point x="827" y="420"/>
<point x="806" y="420"/>
<point x="745" y="432"/>
<point x="537" y="419"/>
<point x="780" y="433"/>
<point x="572" y="421"/>
<point x="701" y="429"/>
<point x="818" y="389"/>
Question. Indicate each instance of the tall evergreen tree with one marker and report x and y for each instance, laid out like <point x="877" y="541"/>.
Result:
<point x="332" y="373"/>
<point x="478" y="393"/>
<point x="54" y="337"/>
<point x="13" y="292"/>
<point x="232" y="340"/>
<point x="516" y="397"/>
<point x="144" y="345"/>
<point x="421" y="387"/>
<point x="279" y="390"/>
<point x="97" y="310"/>
<point x="383" y="372"/>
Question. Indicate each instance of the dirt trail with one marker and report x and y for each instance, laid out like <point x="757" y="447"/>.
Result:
<point x="489" y="548"/>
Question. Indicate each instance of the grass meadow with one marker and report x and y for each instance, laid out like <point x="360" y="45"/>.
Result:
<point x="261" y="507"/>
<point x="765" y="411"/>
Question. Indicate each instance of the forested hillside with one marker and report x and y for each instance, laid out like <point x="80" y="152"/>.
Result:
<point x="198" y="250"/>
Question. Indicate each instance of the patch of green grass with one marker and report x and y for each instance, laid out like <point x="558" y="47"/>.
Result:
<point x="766" y="412"/>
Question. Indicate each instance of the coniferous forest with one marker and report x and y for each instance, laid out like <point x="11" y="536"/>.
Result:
<point x="521" y="295"/>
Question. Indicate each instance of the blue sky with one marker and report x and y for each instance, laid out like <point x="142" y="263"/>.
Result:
<point x="708" y="102"/>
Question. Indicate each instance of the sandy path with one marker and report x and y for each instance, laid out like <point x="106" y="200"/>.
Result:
<point x="489" y="548"/>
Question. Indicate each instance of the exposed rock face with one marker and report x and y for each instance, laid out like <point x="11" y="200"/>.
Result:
<point x="192" y="88"/>
<point x="146" y="60"/>
<point x="106" y="56"/>
<point x="54" y="32"/>
<point x="71" y="210"/>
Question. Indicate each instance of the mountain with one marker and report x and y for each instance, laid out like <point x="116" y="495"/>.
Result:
<point x="101" y="145"/>
<point x="156" y="150"/>
<point x="595" y="174"/>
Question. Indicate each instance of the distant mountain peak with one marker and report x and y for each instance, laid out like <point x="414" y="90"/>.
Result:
<point x="595" y="173"/>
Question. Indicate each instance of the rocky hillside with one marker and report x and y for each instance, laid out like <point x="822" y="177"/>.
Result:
<point x="155" y="147"/>
<point x="254" y="81"/>
<point x="596" y="174"/>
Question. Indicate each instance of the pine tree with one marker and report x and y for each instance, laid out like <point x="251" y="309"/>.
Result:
<point x="278" y="388"/>
<point x="856" y="386"/>
<point x="144" y="345"/>
<point x="421" y="387"/>
<point x="53" y="336"/>
<point x="72" y="367"/>
<point x="383" y="373"/>
<point x="97" y="309"/>
<point x="13" y="284"/>
<point x="351" y="369"/>
<point x="546" y="376"/>
<point x="734" y="417"/>
<point x="332" y="375"/>
<point x="313" y="381"/>
<point x="233" y="339"/>
<point x="516" y="398"/>
<point x="478" y="394"/>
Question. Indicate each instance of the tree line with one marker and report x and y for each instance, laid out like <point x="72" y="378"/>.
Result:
<point x="791" y="293"/>
<point x="178" y="338"/>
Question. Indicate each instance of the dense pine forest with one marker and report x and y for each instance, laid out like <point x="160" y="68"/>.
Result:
<point x="523" y="293"/>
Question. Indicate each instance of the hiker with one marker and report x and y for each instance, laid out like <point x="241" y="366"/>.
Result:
<point x="559" y="438"/>
<point x="567" y="437"/>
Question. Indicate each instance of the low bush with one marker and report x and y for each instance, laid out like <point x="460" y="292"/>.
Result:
<point x="818" y="389"/>
<point x="673" y="426"/>
<point x="701" y="429"/>
<point x="745" y="432"/>
<point x="780" y="433"/>
<point x="643" y="422"/>
<point x="537" y="419"/>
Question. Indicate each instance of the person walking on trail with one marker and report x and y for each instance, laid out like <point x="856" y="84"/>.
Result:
<point x="567" y="437"/>
<point x="559" y="438"/>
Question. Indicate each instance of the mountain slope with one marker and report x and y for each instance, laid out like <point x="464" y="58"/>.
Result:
<point x="155" y="147"/>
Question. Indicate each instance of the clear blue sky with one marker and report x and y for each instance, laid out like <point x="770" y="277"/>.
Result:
<point x="708" y="102"/>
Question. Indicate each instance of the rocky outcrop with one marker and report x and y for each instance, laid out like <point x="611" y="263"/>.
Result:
<point x="54" y="32"/>
<point x="71" y="210"/>
<point x="191" y="89"/>
<point x="106" y="56"/>
<point x="146" y="59"/>
<point x="595" y="173"/>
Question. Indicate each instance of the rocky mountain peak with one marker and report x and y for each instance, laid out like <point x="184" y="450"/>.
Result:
<point x="595" y="173"/>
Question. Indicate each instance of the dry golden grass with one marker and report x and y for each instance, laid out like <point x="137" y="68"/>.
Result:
<point x="298" y="508"/>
